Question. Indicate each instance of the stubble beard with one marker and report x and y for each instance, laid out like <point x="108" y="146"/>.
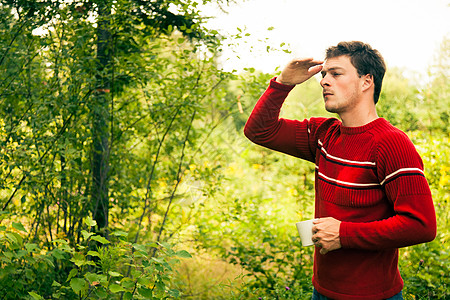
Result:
<point x="336" y="109"/>
<point x="342" y="105"/>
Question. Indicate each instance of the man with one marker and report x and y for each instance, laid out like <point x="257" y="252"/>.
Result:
<point x="371" y="195"/>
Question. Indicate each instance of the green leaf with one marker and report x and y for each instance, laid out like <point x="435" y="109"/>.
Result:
<point x="144" y="281"/>
<point x="174" y="293"/>
<point x="114" y="274"/>
<point x="100" y="239"/>
<point x="30" y="247"/>
<point x="72" y="273"/>
<point x="127" y="296"/>
<point x="8" y="254"/>
<point x="115" y="288"/>
<point x="140" y="248"/>
<point x="77" y="284"/>
<point x="56" y="284"/>
<point x="145" y="292"/>
<point x="120" y="233"/>
<point x="60" y="241"/>
<point x="48" y="261"/>
<point x="160" y="285"/>
<point x="58" y="254"/>
<point x="165" y="245"/>
<point x="2" y="228"/>
<point x="127" y="283"/>
<point x="90" y="222"/>
<point x="101" y="294"/>
<point x="78" y="259"/>
<point x="159" y="260"/>
<point x="152" y="244"/>
<point x="14" y="238"/>
<point x="86" y="234"/>
<point x="91" y="277"/>
<point x="21" y="253"/>
<point x="183" y="254"/>
<point x="35" y="296"/>
<point x="93" y="253"/>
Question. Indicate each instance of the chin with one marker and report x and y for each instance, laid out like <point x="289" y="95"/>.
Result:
<point x="331" y="109"/>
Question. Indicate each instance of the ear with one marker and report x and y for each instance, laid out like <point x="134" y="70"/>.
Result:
<point x="367" y="82"/>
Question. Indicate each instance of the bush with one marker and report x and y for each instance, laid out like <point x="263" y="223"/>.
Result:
<point x="96" y="269"/>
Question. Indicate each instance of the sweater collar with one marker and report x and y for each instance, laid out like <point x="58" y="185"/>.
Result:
<point x="364" y="128"/>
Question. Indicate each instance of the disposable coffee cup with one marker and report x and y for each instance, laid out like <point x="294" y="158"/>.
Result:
<point x="305" y="231"/>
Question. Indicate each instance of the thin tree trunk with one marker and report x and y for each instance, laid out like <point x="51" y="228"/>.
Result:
<point x="100" y="119"/>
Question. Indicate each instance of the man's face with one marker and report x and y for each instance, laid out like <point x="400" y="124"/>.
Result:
<point x="341" y="85"/>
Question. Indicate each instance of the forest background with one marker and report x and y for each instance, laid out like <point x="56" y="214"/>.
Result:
<point x="125" y="173"/>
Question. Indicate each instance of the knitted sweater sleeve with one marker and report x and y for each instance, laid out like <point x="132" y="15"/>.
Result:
<point x="400" y="172"/>
<point x="264" y="126"/>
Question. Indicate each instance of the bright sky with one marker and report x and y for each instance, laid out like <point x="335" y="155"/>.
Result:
<point x="408" y="33"/>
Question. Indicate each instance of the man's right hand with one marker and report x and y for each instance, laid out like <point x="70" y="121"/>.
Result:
<point x="299" y="70"/>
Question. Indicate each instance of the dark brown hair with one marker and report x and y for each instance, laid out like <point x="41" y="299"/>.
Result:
<point x="365" y="59"/>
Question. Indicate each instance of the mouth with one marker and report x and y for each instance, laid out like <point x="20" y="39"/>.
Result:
<point x="325" y="94"/>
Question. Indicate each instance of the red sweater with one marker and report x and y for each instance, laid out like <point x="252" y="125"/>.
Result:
<point x="371" y="178"/>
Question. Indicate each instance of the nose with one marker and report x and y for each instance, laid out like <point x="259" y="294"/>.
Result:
<point x="324" y="82"/>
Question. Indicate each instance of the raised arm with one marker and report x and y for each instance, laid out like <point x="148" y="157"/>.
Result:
<point x="264" y="127"/>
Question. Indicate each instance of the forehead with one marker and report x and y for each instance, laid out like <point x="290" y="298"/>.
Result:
<point x="338" y="62"/>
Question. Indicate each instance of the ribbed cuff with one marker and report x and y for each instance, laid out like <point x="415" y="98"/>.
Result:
<point x="276" y="85"/>
<point x="343" y="235"/>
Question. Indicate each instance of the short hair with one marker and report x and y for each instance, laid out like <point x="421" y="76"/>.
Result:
<point x="365" y="59"/>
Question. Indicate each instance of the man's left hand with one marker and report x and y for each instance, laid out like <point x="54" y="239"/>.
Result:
<point x="326" y="234"/>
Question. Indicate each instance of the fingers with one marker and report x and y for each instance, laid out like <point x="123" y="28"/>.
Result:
<point x="323" y="251"/>
<point x="304" y="63"/>
<point x="318" y="244"/>
<point x="326" y="234"/>
<point x="316" y="240"/>
<point x="319" y="221"/>
<point x="299" y="70"/>
<point x="315" y="69"/>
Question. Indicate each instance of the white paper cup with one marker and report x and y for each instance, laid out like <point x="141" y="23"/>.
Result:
<point x="305" y="231"/>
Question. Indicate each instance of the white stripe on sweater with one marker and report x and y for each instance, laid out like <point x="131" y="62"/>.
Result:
<point x="348" y="183"/>
<point x="369" y="163"/>
<point x="400" y="171"/>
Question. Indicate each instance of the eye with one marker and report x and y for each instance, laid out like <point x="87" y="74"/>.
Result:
<point x="336" y="74"/>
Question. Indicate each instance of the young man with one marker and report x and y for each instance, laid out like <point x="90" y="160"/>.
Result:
<point x="371" y="195"/>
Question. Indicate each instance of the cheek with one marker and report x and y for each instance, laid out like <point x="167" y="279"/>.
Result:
<point x="348" y="89"/>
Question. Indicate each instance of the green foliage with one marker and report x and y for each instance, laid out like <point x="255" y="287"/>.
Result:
<point x="118" y="269"/>
<point x="148" y="124"/>
<point x="424" y="267"/>
<point x="62" y="103"/>
<point x="412" y="106"/>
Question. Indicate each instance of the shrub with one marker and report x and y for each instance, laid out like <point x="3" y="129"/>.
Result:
<point x="96" y="269"/>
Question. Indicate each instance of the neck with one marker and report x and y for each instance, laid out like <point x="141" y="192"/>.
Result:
<point x="359" y="117"/>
